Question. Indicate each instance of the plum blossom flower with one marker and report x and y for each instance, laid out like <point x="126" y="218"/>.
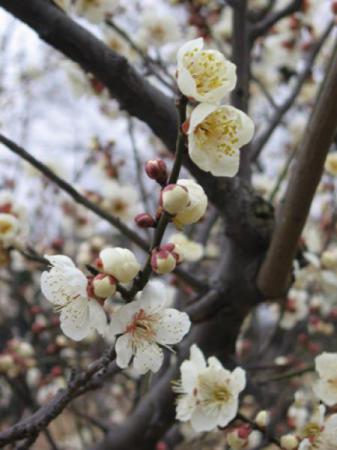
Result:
<point x="9" y="227"/>
<point x="321" y="435"/>
<point x="186" y="248"/>
<point x="208" y="392"/>
<point x="94" y="10"/>
<point x="205" y="75"/>
<point x="296" y="309"/>
<point x="65" y="286"/>
<point x="121" y="200"/>
<point x="144" y="325"/>
<point x="216" y="133"/>
<point x="326" y="386"/>
<point x="196" y="207"/>
<point x="331" y="163"/>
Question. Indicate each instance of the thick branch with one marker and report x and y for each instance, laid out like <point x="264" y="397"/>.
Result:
<point x="134" y="93"/>
<point x="274" y="277"/>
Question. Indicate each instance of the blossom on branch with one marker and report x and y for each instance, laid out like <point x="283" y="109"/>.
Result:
<point x="118" y="262"/>
<point x="187" y="249"/>
<point x="209" y="394"/>
<point x="216" y="133"/>
<point x="196" y="207"/>
<point x="205" y="75"/>
<point x="65" y="286"/>
<point x="326" y="386"/>
<point x="144" y="325"/>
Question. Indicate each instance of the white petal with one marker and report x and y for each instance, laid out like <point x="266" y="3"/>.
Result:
<point x="149" y="356"/>
<point x="97" y="316"/>
<point x="197" y="357"/>
<point x="227" y="413"/>
<point x="194" y="44"/>
<point x="121" y="318"/>
<point x="225" y="166"/>
<point x="123" y="350"/>
<point x="153" y="297"/>
<point x="59" y="261"/>
<point x="199" y="114"/>
<point x="189" y="376"/>
<point x="74" y="319"/>
<point x="238" y="380"/>
<point x="172" y="326"/>
<point x="185" y="407"/>
<point x="203" y="422"/>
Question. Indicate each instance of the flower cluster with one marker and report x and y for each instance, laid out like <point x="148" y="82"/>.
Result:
<point x="216" y="132"/>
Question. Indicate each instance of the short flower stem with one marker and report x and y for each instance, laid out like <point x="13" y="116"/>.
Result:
<point x="144" y="276"/>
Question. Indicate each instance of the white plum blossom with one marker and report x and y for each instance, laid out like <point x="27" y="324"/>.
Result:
<point x="157" y="29"/>
<point x="121" y="200"/>
<point x="94" y="10"/>
<point x="205" y="75"/>
<point x="331" y="163"/>
<point x="9" y="227"/>
<point x="119" y="262"/>
<point x="216" y="133"/>
<point x="326" y="386"/>
<point x="65" y="286"/>
<point x="144" y="325"/>
<point x="296" y="309"/>
<point x="209" y="394"/>
<point x="321" y="435"/>
<point x="196" y="207"/>
<point x="188" y="250"/>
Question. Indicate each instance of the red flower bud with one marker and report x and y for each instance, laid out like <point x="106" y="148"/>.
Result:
<point x="156" y="170"/>
<point x="145" y="220"/>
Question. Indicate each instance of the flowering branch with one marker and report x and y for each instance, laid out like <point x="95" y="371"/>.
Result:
<point x="145" y="274"/>
<point x="31" y="426"/>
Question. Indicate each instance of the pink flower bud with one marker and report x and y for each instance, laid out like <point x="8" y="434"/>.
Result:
<point x="145" y="220"/>
<point x="174" y="198"/>
<point x="163" y="261"/>
<point x="102" y="286"/>
<point x="156" y="170"/>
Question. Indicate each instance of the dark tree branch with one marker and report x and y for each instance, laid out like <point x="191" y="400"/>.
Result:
<point x="32" y="425"/>
<point x="80" y="199"/>
<point x="134" y="94"/>
<point x="274" y="276"/>
<point x="262" y="27"/>
<point x="260" y="141"/>
<point x="241" y="58"/>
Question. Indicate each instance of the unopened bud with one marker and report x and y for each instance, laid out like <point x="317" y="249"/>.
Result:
<point x="104" y="286"/>
<point x="262" y="419"/>
<point x="174" y="198"/>
<point x="156" y="170"/>
<point x="289" y="442"/>
<point x="6" y="362"/>
<point x="145" y="220"/>
<point x="121" y="263"/>
<point x="238" y="438"/>
<point x="163" y="261"/>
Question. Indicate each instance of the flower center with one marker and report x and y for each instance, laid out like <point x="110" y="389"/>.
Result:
<point x="218" y="132"/>
<point x="5" y="227"/>
<point x="141" y="327"/>
<point x="207" y="68"/>
<point x="213" y="393"/>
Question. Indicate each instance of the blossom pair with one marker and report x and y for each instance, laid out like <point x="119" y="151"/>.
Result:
<point x="142" y="327"/>
<point x="216" y="132"/>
